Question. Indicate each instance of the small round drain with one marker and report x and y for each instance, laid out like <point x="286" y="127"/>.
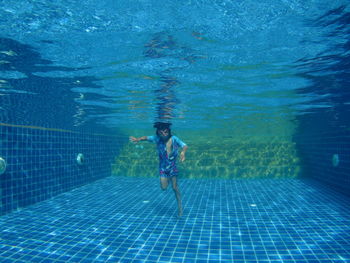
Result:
<point x="335" y="160"/>
<point x="2" y="165"/>
<point x="80" y="159"/>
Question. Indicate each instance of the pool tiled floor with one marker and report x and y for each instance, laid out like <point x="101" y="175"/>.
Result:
<point x="123" y="219"/>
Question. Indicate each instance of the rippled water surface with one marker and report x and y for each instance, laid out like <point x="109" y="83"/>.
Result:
<point x="248" y="66"/>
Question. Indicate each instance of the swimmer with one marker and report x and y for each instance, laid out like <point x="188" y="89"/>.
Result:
<point x="168" y="147"/>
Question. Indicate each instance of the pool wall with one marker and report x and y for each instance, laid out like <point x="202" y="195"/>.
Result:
<point x="323" y="136"/>
<point x="41" y="163"/>
<point x="324" y="150"/>
<point x="43" y="127"/>
<point x="211" y="157"/>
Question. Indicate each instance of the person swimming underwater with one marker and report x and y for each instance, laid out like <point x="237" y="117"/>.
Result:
<point x="168" y="147"/>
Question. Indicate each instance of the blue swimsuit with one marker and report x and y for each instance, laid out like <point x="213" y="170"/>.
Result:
<point x="167" y="164"/>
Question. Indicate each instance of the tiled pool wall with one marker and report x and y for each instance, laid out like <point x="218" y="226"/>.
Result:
<point x="324" y="151"/>
<point x="42" y="163"/>
<point x="323" y="137"/>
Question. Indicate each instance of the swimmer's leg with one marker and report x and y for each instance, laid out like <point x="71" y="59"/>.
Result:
<point x="164" y="181"/>
<point x="177" y="194"/>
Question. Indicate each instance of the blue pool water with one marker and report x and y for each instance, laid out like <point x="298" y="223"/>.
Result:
<point x="258" y="90"/>
<point x="121" y="64"/>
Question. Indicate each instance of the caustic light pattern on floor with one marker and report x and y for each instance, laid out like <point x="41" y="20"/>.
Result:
<point x="122" y="219"/>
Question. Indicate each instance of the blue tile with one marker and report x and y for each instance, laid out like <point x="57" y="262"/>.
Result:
<point x="87" y="223"/>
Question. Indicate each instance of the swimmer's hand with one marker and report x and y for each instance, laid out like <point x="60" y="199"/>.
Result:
<point x="133" y="139"/>
<point x="182" y="156"/>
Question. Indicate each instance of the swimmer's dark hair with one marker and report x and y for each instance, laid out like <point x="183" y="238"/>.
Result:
<point x="162" y="126"/>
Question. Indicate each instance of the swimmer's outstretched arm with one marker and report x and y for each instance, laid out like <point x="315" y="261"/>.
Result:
<point x="134" y="139"/>
<point x="183" y="152"/>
